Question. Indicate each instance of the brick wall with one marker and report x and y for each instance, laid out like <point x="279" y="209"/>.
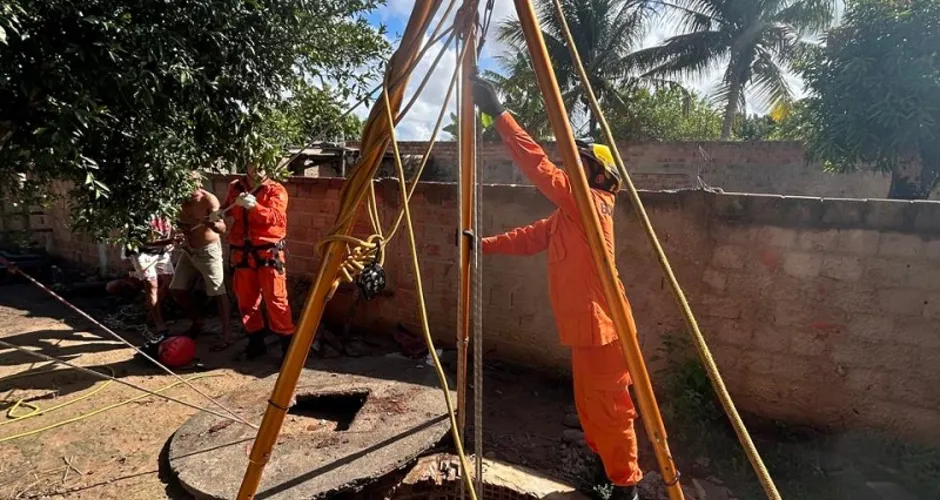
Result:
<point x="818" y="311"/>
<point x="741" y="167"/>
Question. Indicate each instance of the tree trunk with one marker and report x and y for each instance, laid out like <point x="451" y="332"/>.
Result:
<point x="731" y="109"/>
<point x="916" y="177"/>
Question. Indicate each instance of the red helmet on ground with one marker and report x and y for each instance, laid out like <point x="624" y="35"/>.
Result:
<point x="177" y="352"/>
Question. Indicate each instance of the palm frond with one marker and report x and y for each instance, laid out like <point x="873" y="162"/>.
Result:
<point x="683" y="55"/>
<point x="807" y="17"/>
<point x="769" y="82"/>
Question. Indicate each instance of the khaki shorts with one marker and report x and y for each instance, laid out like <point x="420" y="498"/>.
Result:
<point x="205" y="262"/>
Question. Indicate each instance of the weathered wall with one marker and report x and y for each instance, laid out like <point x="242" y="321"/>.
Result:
<point x="776" y="167"/>
<point x="818" y="311"/>
<point x="822" y="311"/>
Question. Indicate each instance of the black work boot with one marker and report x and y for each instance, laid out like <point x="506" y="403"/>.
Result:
<point x="256" y="346"/>
<point x="625" y="493"/>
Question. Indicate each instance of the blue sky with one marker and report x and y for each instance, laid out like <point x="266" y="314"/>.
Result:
<point x="419" y="123"/>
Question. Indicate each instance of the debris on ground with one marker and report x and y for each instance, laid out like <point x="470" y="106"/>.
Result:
<point x="411" y="344"/>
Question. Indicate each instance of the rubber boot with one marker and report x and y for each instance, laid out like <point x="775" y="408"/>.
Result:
<point x="256" y="346"/>
<point x="625" y="493"/>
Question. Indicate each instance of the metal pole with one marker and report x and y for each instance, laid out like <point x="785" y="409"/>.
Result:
<point x="374" y="144"/>
<point x="620" y="310"/>
<point x="466" y="144"/>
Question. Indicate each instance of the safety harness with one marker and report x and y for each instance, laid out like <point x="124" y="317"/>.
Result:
<point x="248" y="249"/>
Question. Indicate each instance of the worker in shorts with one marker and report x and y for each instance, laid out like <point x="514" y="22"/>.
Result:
<point x="201" y="229"/>
<point x="582" y="315"/>
<point x="152" y="271"/>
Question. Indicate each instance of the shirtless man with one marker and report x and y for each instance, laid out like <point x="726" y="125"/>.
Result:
<point x="201" y="226"/>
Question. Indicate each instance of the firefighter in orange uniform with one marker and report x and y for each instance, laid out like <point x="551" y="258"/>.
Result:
<point x="582" y="315"/>
<point x="256" y="244"/>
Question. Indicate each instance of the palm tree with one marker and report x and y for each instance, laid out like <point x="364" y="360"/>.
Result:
<point x="605" y="32"/>
<point x="755" y="41"/>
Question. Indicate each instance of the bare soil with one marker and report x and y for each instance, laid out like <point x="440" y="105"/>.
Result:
<point x="120" y="453"/>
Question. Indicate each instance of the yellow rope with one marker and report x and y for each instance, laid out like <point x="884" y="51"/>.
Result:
<point x="36" y="411"/>
<point x="422" y="309"/>
<point x="710" y="366"/>
<point x="362" y="251"/>
<point x="100" y="410"/>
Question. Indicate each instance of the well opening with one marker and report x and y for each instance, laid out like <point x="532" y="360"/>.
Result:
<point x="338" y="408"/>
<point x="437" y="477"/>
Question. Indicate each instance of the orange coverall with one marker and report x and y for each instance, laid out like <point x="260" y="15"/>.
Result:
<point x="256" y="239"/>
<point x="601" y="379"/>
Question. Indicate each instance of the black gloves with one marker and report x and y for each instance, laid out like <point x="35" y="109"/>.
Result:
<point x="484" y="94"/>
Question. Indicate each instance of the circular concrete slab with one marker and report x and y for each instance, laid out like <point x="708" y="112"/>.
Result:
<point x="354" y="420"/>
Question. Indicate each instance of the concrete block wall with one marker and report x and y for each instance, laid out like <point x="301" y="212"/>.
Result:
<point x="777" y="167"/>
<point x="819" y="311"/>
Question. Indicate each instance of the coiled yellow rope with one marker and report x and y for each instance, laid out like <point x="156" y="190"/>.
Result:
<point x="363" y="251"/>
<point x="97" y="411"/>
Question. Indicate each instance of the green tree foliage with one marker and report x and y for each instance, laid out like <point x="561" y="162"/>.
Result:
<point x="876" y="94"/>
<point x="754" y="41"/>
<point x="605" y="32"/>
<point x="310" y="113"/>
<point x="124" y="98"/>
<point x="668" y="114"/>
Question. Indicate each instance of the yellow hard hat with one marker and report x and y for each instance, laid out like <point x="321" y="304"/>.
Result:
<point x="602" y="169"/>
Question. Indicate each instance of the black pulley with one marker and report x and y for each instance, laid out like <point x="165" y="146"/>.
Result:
<point x="371" y="281"/>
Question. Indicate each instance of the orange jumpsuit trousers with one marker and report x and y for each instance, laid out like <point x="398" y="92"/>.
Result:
<point x="256" y="239"/>
<point x="601" y="379"/>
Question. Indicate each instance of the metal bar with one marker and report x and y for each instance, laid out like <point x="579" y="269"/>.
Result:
<point x="375" y="142"/>
<point x="466" y="144"/>
<point x="620" y="310"/>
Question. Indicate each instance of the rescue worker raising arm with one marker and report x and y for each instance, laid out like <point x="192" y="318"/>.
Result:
<point x="582" y="315"/>
<point x="256" y="240"/>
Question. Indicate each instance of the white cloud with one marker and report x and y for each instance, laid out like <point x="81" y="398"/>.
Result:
<point x="419" y="122"/>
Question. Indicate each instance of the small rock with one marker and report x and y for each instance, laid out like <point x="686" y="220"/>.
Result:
<point x="355" y="348"/>
<point x="572" y="436"/>
<point x="571" y="421"/>
<point x="708" y="490"/>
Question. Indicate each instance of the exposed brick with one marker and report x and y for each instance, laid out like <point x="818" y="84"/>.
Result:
<point x="873" y="327"/>
<point x="842" y="267"/>
<point x="714" y="279"/>
<point x="902" y="301"/>
<point x="924" y="332"/>
<point x="858" y="241"/>
<point x="932" y="306"/>
<point x="865" y="354"/>
<point x="901" y="245"/>
<point x="770" y="339"/>
<point x="778" y="237"/>
<point x="887" y="272"/>
<point x="807" y="343"/>
<point x="728" y="257"/>
<point x="802" y="265"/>
<point x="791" y="314"/>
<point x="816" y="240"/>
<point x="719" y="307"/>
<point x="924" y="275"/>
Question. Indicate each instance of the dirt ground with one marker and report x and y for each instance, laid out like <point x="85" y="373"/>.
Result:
<point x="118" y="454"/>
